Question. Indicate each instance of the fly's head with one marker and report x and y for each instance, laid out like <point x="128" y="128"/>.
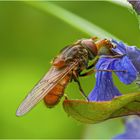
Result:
<point x="90" y="46"/>
<point x="104" y="47"/>
<point x="105" y="43"/>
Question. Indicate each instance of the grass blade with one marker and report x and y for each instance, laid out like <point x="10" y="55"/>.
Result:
<point x="72" y="19"/>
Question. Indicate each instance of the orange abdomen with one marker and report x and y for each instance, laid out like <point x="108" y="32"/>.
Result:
<point x="54" y="96"/>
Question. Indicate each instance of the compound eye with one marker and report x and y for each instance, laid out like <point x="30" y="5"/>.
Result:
<point x="89" y="43"/>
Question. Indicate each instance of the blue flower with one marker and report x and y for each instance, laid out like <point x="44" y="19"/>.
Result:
<point x="104" y="88"/>
<point x="132" y="129"/>
<point x="125" y="67"/>
<point x="132" y="52"/>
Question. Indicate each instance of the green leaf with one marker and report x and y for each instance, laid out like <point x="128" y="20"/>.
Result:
<point x="95" y="112"/>
<point x="135" y="9"/>
<point x="131" y="5"/>
<point x="139" y="20"/>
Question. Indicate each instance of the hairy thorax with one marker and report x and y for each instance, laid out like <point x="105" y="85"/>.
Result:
<point x="71" y="54"/>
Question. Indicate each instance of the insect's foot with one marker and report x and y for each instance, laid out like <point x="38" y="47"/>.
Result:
<point x="66" y="97"/>
<point x="87" y="99"/>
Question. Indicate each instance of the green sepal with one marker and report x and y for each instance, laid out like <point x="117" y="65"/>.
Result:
<point x="95" y="112"/>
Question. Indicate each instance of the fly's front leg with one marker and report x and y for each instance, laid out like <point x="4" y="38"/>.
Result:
<point x="94" y="70"/>
<point x="87" y="73"/>
<point x="111" y="70"/>
<point x="75" y="77"/>
<point x="95" y="60"/>
<point x="115" y="56"/>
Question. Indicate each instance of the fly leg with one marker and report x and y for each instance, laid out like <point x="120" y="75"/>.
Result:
<point x="115" y="56"/>
<point x="66" y="96"/>
<point x="112" y="70"/>
<point x="86" y="73"/>
<point x="95" y="60"/>
<point x="94" y="70"/>
<point x="89" y="67"/>
<point x="75" y="78"/>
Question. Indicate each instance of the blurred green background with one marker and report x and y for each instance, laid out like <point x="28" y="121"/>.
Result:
<point x="29" y="39"/>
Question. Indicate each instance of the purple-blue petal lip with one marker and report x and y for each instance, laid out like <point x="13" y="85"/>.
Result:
<point x="105" y="89"/>
<point x="132" y="52"/>
<point x="125" y="64"/>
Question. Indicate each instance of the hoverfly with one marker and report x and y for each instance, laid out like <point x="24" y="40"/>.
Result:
<point x="67" y="66"/>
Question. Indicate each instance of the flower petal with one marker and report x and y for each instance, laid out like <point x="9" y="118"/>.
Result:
<point x="104" y="89"/>
<point x="121" y="48"/>
<point x="134" y="55"/>
<point x="125" y="64"/>
<point x="131" y="51"/>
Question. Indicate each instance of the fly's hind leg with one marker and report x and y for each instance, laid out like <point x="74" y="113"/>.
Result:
<point x="79" y="85"/>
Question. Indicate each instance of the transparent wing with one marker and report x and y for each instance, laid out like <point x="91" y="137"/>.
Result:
<point x="41" y="89"/>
